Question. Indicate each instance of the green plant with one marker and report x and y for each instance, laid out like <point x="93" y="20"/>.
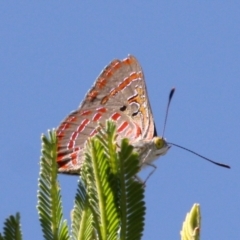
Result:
<point x="109" y="203"/>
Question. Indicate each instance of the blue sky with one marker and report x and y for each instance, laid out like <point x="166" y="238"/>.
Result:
<point x="50" y="55"/>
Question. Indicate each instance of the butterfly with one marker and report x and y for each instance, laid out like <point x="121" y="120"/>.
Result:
<point x="120" y="94"/>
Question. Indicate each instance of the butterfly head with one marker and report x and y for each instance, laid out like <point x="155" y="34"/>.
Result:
<point x="150" y="150"/>
<point x="161" y="146"/>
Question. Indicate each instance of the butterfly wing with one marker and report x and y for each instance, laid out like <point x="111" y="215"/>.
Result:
<point x="120" y="94"/>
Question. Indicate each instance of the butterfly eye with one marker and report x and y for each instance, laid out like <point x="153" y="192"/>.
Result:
<point x="159" y="142"/>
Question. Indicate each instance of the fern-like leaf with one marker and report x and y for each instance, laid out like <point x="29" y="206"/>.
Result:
<point x="82" y="227"/>
<point x="12" y="228"/>
<point x="49" y="197"/>
<point x="113" y="194"/>
<point x="131" y="194"/>
<point x="97" y="175"/>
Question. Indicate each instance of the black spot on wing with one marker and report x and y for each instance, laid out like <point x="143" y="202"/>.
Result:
<point x="134" y="114"/>
<point x="123" y="108"/>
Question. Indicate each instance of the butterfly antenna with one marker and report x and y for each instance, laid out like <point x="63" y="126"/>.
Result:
<point x="207" y="159"/>
<point x="169" y="101"/>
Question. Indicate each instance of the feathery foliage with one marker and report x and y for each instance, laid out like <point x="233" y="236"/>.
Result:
<point x="49" y="198"/>
<point x="12" y="228"/>
<point x="114" y="195"/>
<point x="109" y="200"/>
<point x="81" y="216"/>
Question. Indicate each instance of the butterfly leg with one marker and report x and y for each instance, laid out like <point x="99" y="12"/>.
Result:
<point x="138" y="179"/>
<point x="150" y="174"/>
<point x="145" y="163"/>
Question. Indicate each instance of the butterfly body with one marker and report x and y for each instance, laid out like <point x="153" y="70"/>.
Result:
<point x="120" y="94"/>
